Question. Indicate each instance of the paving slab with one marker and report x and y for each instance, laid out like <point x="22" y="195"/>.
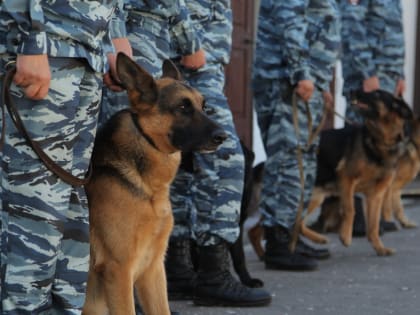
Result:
<point x="354" y="281"/>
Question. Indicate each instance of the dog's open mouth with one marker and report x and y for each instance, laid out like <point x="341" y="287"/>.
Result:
<point x="208" y="149"/>
<point x="218" y="137"/>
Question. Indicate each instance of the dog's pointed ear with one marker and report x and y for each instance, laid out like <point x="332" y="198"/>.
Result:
<point x="170" y="70"/>
<point x="402" y="108"/>
<point x="135" y="78"/>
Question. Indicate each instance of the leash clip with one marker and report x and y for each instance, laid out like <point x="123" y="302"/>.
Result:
<point x="10" y="64"/>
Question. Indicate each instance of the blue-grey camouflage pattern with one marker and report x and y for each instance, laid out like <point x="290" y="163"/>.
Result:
<point x="60" y="28"/>
<point x="148" y="25"/>
<point x="304" y="45"/>
<point x="44" y="221"/>
<point x="44" y="240"/>
<point x="372" y="45"/>
<point x="206" y="202"/>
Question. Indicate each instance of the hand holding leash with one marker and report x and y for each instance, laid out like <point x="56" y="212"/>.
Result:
<point x="305" y="89"/>
<point x="7" y="101"/>
<point x="33" y="75"/>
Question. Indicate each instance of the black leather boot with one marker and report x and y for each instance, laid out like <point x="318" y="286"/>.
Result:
<point x="312" y="252"/>
<point x="278" y="255"/>
<point x="180" y="272"/>
<point x="215" y="284"/>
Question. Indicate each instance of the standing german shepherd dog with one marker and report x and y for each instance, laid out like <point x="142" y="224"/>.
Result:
<point x="135" y="158"/>
<point x="361" y="159"/>
<point x="408" y="168"/>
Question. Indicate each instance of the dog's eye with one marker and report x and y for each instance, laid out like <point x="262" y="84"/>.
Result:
<point x="186" y="105"/>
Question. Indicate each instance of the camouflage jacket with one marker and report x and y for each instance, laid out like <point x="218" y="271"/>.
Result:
<point x="175" y="13"/>
<point x="60" y="28"/>
<point x="304" y="44"/>
<point x="213" y="22"/>
<point x="372" y="40"/>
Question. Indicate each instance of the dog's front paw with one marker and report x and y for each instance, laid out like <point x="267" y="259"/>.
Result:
<point x="407" y="224"/>
<point x="346" y="235"/>
<point x="383" y="251"/>
<point x="345" y="240"/>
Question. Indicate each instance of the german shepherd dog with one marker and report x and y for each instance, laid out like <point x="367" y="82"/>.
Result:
<point x="135" y="158"/>
<point x="361" y="159"/>
<point x="408" y="167"/>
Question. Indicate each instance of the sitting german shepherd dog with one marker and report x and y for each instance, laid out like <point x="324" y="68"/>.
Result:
<point x="361" y="159"/>
<point x="135" y="158"/>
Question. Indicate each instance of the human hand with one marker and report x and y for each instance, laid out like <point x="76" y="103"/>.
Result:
<point x="305" y="89"/>
<point x="195" y="60"/>
<point x="371" y="84"/>
<point x="111" y="79"/>
<point x="33" y="75"/>
<point x="400" y="88"/>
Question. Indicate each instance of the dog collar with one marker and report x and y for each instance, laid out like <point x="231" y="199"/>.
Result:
<point x="140" y="129"/>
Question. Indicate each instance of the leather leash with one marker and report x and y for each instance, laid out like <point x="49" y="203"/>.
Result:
<point x="312" y="136"/>
<point x="7" y="102"/>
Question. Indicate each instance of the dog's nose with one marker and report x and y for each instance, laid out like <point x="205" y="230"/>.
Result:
<point x="218" y="136"/>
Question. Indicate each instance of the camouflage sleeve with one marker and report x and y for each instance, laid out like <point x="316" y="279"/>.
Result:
<point x="291" y="14"/>
<point x="355" y="37"/>
<point x="387" y="35"/>
<point x="117" y="26"/>
<point x="183" y="32"/>
<point x="29" y="15"/>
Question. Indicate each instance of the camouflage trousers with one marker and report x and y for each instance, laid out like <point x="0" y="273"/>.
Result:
<point x="206" y="202"/>
<point x="150" y="41"/>
<point x="44" y="240"/>
<point x="281" y="183"/>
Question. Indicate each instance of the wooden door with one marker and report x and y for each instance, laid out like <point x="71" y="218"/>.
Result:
<point x="238" y="72"/>
<point x="416" y="100"/>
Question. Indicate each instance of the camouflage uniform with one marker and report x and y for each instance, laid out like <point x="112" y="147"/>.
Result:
<point x="148" y="25"/>
<point x="206" y="202"/>
<point x="44" y="241"/>
<point x="373" y="44"/>
<point x="304" y="45"/>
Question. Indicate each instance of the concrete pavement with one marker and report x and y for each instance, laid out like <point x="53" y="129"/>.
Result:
<point x="354" y="281"/>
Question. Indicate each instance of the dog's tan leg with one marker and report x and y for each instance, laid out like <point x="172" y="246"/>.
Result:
<point x="316" y="200"/>
<point x="373" y="216"/>
<point x="118" y="286"/>
<point x="255" y="235"/>
<point x="399" y="211"/>
<point x="95" y="300"/>
<point x="313" y="235"/>
<point x="152" y="291"/>
<point x="387" y="207"/>
<point x="346" y="196"/>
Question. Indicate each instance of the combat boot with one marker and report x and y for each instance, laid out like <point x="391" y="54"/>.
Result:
<point x="278" y="254"/>
<point x="180" y="272"/>
<point x="215" y="284"/>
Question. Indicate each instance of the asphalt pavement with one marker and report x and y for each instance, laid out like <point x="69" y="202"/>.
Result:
<point x="353" y="281"/>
